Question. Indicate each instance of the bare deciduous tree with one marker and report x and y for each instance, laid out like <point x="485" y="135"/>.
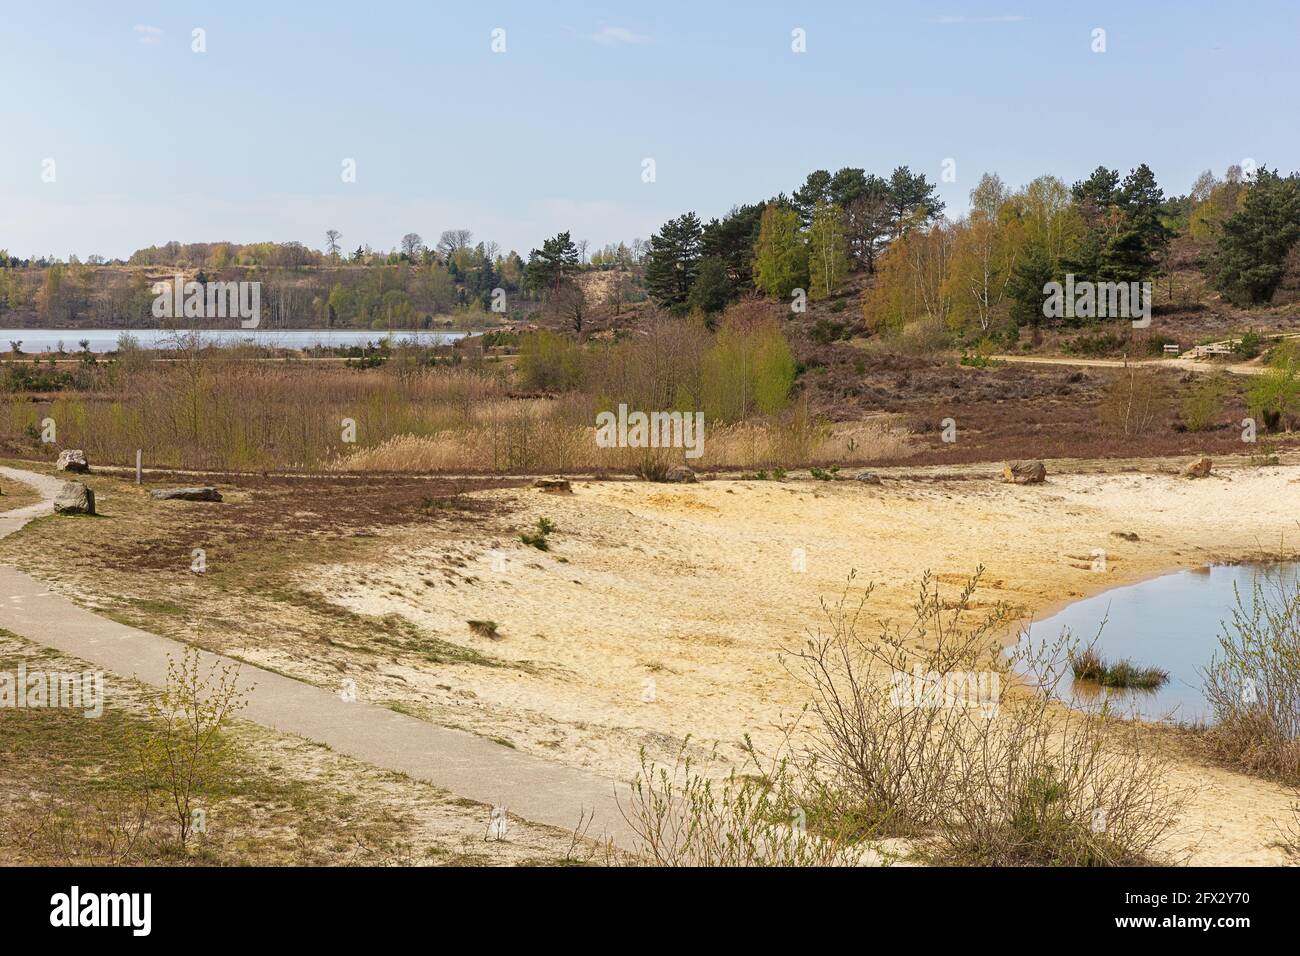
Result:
<point x="411" y="245"/>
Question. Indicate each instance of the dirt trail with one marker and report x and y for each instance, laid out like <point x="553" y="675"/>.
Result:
<point x="1185" y="363"/>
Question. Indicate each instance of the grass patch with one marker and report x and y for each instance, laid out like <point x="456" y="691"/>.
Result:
<point x="71" y="793"/>
<point x="157" y="606"/>
<point x="1088" y="665"/>
<point x="537" y="539"/>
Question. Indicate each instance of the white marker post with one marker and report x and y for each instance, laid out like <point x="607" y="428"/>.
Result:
<point x="138" y="455"/>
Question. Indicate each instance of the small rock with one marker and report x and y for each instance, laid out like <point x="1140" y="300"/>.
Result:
<point x="1126" y="535"/>
<point x="557" y="486"/>
<point x="72" y="459"/>
<point x="75" y="498"/>
<point x="679" y="474"/>
<point x="206" y="493"/>
<point x="869" y="477"/>
<point x="1027" y="472"/>
<point x="1198" y="469"/>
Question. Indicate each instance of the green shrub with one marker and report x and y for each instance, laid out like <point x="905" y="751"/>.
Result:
<point x="1253" y="684"/>
<point x="1248" y="346"/>
<point x="550" y="361"/>
<point x="1202" y="405"/>
<point x="537" y="539"/>
<point x="1274" y="396"/>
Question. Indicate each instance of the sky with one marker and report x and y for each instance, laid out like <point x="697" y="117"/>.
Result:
<point x="151" y="141"/>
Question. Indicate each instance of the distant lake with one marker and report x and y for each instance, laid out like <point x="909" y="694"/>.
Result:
<point x="38" y="341"/>
<point x="1172" y="622"/>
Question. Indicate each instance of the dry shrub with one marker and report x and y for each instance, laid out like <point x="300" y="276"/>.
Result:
<point x="556" y="437"/>
<point x="213" y="412"/>
<point x="1290" y="831"/>
<point x="891" y="764"/>
<point x="93" y="828"/>
<point x="1253" y="684"/>
<point x="1044" y="789"/>
<point x="915" y="736"/>
<point x="206" y="409"/>
<point x="684" y="817"/>
<point x="878" y="439"/>
<point x="1135" y="401"/>
<point x="920" y="338"/>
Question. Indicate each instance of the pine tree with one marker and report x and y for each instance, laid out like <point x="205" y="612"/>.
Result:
<point x="674" y="262"/>
<point x="731" y="241"/>
<point x="1032" y="271"/>
<point x="713" y="289"/>
<point x="913" y="201"/>
<point x="816" y="188"/>
<point x="1247" y="264"/>
<point x="550" y="265"/>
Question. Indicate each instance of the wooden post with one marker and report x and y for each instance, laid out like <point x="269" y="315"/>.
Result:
<point x="138" y="454"/>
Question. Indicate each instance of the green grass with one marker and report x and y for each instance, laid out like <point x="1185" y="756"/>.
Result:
<point x="538" y="538"/>
<point x="1090" y="666"/>
<point x="156" y="606"/>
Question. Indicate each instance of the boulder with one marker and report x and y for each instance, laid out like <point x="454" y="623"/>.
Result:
<point x="1028" y="472"/>
<point x="205" y="493"/>
<point x="75" y="498"/>
<point x="1198" y="469"/>
<point x="679" y="474"/>
<point x="556" y="486"/>
<point x="869" y="477"/>
<point x="72" y="459"/>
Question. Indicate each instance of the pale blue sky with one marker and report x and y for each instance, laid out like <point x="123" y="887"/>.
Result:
<point x="153" y="142"/>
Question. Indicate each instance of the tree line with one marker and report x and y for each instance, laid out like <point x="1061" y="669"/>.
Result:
<point x="830" y="226"/>
<point x="985" y="271"/>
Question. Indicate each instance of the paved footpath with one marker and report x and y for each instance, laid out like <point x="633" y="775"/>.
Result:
<point x="463" y="763"/>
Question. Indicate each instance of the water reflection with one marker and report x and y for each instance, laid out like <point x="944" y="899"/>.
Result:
<point x="1172" y="622"/>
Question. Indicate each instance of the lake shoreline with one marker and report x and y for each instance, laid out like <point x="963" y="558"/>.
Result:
<point x="43" y="342"/>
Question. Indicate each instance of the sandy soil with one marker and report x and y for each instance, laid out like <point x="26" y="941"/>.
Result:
<point x="695" y="589"/>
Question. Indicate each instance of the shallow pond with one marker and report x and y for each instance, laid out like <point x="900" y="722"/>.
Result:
<point x="1172" y="622"/>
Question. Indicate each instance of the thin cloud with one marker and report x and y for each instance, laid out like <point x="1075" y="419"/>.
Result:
<point x="617" y="36"/>
<point x="1008" y="18"/>
<point x="148" y="34"/>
